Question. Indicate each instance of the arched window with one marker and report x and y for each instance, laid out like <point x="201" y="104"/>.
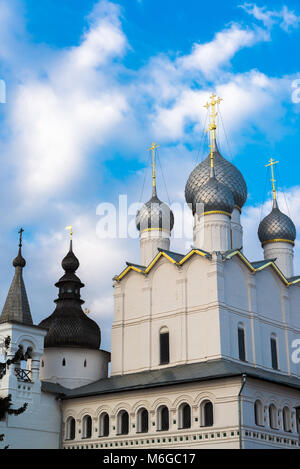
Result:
<point x="70" y="429"/>
<point x="85" y="363"/>
<point x="164" y="345"/>
<point x="43" y="364"/>
<point x="123" y="423"/>
<point x="142" y="420"/>
<point x="87" y="426"/>
<point x="163" y="418"/>
<point x="207" y="414"/>
<point x="274" y="354"/>
<point x="104" y="424"/>
<point x="241" y="343"/>
<point x="287" y="423"/>
<point x="273" y="417"/>
<point x="64" y="362"/>
<point x="184" y="416"/>
<point x="258" y="413"/>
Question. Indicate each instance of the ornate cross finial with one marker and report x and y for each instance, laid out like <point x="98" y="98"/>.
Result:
<point x="153" y="148"/>
<point x="87" y="311"/>
<point x="71" y="230"/>
<point x="212" y="126"/>
<point x="21" y="231"/>
<point x="272" y="163"/>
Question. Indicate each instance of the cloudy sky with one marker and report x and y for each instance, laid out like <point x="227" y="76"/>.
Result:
<point x="89" y="86"/>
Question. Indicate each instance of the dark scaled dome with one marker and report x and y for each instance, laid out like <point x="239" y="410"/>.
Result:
<point x="214" y="196"/>
<point x="276" y="227"/>
<point x="155" y="214"/>
<point x="226" y="173"/>
<point x="19" y="261"/>
<point x="68" y="325"/>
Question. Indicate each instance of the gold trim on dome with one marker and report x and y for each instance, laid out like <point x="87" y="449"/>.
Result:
<point x="238" y="208"/>
<point x="213" y="212"/>
<point x="278" y="241"/>
<point x="154" y="229"/>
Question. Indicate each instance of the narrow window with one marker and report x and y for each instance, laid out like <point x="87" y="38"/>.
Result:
<point x="184" y="416"/>
<point x="123" y="422"/>
<point x="104" y="424"/>
<point x="207" y="414"/>
<point x="43" y="364"/>
<point x="64" y="362"/>
<point x="70" y="429"/>
<point x="163" y="418"/>
<point x="241" y="341"/>
<point x="274" y="353"/>
<point x="273" y="417"/>
<point x="287" y="419"/>
<point x="164" y="348"/>
<point x="258" y="413"/>
<point x="85" y="363"/>
<point x="143" y="421"/>
<point x="87" y="427"/>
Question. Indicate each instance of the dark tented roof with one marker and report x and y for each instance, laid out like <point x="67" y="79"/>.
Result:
<point x="16" y="307"/>
<point x="214" y="369"/>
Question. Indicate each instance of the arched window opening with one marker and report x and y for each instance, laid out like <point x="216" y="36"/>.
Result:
<point x="273" y="416"/>
<point x="207" y="414"/>
<point x="87" y="427"/>
<point x="274" y="354"/>
<point x="123" y="422"/>
<point x="287" y="423"/>
<point x="258" y="413"/>
<point x="43" y="364"/>
<point x="70" y="429"/>
<point x="163" y="418"/>
<point x="241" y="343"/>
<point x="64" y="362"/>
<point x="85" y="363"/>
<point x="164" y="343"/>
<point x="184" y="417"/>
<point x="142" y="421"/>
<point x="104" y="424"/>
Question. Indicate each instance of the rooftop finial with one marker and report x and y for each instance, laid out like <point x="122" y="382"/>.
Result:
<point x="212" y="126"/>
<point x="272" y="163"/>
<point x="21" y="231"/>
<point x="71" y="231"/>
<point x="153" y="148"/>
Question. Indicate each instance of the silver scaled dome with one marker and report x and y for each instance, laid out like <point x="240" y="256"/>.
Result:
<point x="213" y="196"/>
<point x="155" y="215"/>
<point x="226" y="173"/>
<point x="276" y="226"/>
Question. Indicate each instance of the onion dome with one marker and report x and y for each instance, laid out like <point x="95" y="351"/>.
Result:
<point x="68" y="325"/>
<point x="155" y="215"/>
<point x="276" y="227"/>
<point x="226" y="173"/>
<point x="214" y="197"/>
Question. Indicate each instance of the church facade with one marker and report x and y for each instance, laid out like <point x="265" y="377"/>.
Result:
<point x="203" y="344"/>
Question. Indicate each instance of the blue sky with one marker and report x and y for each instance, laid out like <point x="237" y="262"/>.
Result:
<point x="91" y="84"/>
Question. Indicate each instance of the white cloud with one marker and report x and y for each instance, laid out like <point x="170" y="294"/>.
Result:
<point x="58" y="119"/>
<point x="287" y="19"/>
<point x="209" y="57"/>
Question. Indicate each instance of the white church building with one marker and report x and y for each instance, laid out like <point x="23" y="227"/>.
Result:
<point x="202" y="343"/>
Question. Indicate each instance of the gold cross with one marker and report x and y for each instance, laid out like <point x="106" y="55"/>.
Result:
<point x="273" y="180"/>
<point x="71" y="230"/>
<point x="153" y="148"/>
<point x="212" y="126"/>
